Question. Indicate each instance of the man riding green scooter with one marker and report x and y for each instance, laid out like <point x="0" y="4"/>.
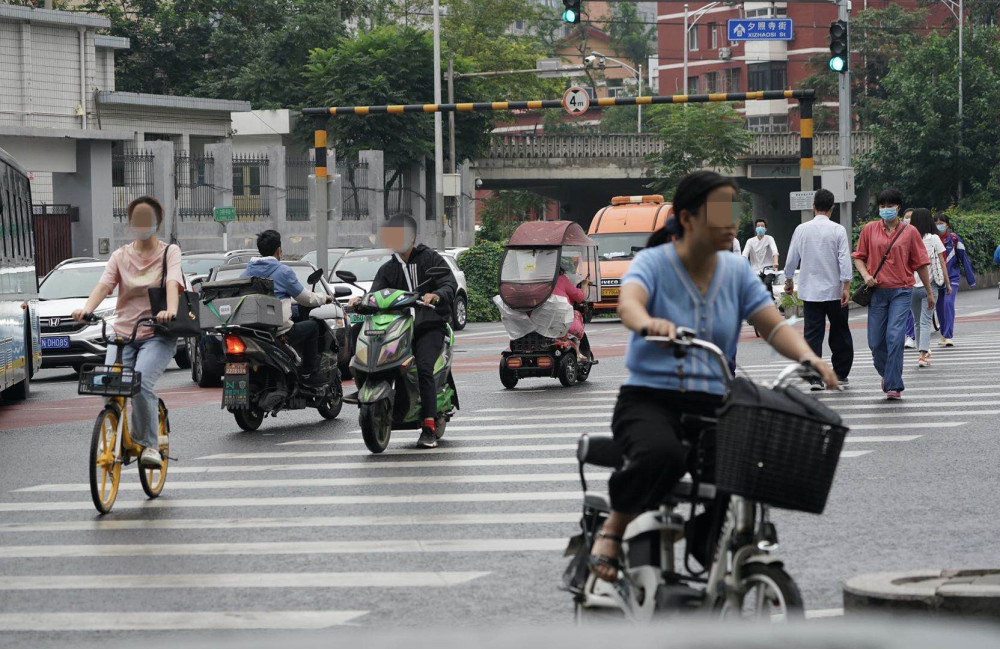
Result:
<point x="408" y="271"/>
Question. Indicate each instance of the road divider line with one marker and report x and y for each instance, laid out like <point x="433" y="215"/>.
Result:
<point x="175" y="620"/>
<point x="243" y="580"/>
<point x="515" y="518"/>
<point x="369" y="546"/>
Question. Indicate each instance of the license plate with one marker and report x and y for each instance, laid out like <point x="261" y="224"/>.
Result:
<point x="355" y="318"/>
<point x="236" y="385"/>
<point x="55" y="342"/>
<point x="610" y="292"/>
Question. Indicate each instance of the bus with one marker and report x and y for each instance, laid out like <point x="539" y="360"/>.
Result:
<point x="20" y="349"/>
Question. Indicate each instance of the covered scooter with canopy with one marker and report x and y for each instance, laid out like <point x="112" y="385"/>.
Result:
<point x="549" y="277"/>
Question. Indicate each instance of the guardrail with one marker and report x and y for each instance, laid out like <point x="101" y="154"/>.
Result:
<point x="642" y="145"/>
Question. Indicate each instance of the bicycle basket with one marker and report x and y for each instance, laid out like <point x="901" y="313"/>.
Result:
<point x="109" y="381"/>
<point x="772" y="450"/>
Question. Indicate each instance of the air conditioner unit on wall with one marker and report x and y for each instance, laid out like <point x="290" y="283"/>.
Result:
<point x="725" y="53"/>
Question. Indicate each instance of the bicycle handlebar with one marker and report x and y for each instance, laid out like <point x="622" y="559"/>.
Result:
<point x="118" y="339"/>
<point x="687" y="338"/>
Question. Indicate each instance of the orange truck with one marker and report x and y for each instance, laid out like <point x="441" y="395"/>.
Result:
<point x="621" y="230"/>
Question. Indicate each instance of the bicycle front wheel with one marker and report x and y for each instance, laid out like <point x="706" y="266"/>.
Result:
<point x="153" y="479"/>
<point x="105" y="467"/>
<point x="767" y="594"/>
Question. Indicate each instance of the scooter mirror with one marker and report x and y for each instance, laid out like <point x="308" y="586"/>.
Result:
<point x="314" y="276"/>
<point x="341" y="291"/>
<point x="347" y="276"/>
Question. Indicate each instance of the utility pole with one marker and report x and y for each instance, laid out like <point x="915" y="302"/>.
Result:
<point x="438" y="132"/>
<point x="684" y="89"/>
<point x="453" y="203"/>
<point x="845" y="121"/>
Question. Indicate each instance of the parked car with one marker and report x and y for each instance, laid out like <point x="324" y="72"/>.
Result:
<point x="66" y="342"/>
<point x="198" y="263"/>
<point x="365" y="263"/>
<point x="208" y="364"/>
<point x="333" y="255"/>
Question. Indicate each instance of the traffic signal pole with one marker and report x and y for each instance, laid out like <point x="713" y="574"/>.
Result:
<point x="845" y="123"/>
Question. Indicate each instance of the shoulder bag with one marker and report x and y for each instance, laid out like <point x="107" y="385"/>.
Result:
<point x="187" y="322"/>
<point x="863" y="294"/>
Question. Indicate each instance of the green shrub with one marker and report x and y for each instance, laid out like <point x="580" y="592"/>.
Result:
<point x="481" y="265"/>
<point x="981" y="234"/>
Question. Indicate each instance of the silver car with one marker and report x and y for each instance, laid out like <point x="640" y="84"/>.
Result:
<point x="66" y="342"/>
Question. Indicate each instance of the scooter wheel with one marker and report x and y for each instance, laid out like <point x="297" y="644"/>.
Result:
<point x="249" y="419"/>
<point x="508" y="377"/>
<point x="583" y="372"/>
<point x="376" y="425"/>
<point x="568" y="370"/>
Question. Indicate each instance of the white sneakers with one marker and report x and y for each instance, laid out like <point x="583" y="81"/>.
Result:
<point x="150" y="459"/>
<point x="910" y="343"/>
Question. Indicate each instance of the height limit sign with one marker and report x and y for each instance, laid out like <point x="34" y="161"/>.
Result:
<point x="576" y="101"/>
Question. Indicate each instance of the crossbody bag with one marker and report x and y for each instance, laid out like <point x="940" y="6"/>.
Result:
<point x="863" y="294"/>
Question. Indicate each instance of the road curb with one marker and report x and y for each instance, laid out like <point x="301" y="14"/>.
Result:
<point x="973" y="593"/>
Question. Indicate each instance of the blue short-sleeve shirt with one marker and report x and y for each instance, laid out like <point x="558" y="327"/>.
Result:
<point x="734" y="294"/>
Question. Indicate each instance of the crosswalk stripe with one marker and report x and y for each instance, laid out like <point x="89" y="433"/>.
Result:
<point x="274" y="455"/>
<point x="882" y="403"/>
<point x="838" y="398"/>
<point x="299" y="501"/>
<point x="910" y="426"/>
<point x="897" y="414"/>
<point x="470" y="438"/>
<point x="844" y="454"/>
<point x="516" y="518"/>
<point x="175" y="620"/>
<point x="371" y="546"/>
<point x="372" y="464"/>
<point x="272" y="483"/>
<point x="243" y="580"/>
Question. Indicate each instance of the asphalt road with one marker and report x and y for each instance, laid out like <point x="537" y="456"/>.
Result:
<point x="297" y="526"/>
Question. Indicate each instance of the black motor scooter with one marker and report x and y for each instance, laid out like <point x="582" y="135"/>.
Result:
<point x="263" y="373"/>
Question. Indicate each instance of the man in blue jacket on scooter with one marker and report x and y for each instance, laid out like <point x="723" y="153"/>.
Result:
<point x="407" y="271"/>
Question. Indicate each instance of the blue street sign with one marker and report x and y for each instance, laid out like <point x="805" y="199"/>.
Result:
<point x="761" y="29"/>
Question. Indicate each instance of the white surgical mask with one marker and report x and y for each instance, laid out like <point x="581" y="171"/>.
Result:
<point x="141" y="233"/>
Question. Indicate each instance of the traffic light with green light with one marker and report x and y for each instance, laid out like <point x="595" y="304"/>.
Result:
<point x="840" y="57"/>
<point x="571" y="12"/>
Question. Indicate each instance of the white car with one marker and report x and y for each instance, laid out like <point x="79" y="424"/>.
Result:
<point x="66" y="342"/>
<point x="365" y="264"/>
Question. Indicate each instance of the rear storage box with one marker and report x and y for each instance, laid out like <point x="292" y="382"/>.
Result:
<point x="246" y="302"/>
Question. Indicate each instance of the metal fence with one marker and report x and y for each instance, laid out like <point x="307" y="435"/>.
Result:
<point x="193" y="176"/>
<point x="297" y="172"/>
<point x="356" y="190"/>
<point x="397" y="193"/>
<point x="131" y="177"/>
<point x="251" y="187"/>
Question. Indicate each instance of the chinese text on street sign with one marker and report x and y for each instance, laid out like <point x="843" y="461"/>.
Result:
<point x="761" y="29"/>
<point x="801" y="200"/>
<point x="225" y="214"/>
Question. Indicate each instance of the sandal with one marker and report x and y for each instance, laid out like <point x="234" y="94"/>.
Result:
<point x="604" y="560"/>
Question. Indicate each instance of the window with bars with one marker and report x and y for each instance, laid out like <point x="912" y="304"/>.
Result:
<point x="693" y="38"/>
<point x="733" y="80"/>
<point x="713" y="36"/>
<point x="712" y="82"/>
<point x="692" y="88"/>
<point x="772" y="75"/>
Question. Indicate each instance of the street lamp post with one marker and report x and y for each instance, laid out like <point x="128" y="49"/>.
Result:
<point x="637" y="73"/>
<point x="688" y="25"/>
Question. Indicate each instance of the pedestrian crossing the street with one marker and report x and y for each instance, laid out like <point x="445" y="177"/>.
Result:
<point x="316" y="512"/>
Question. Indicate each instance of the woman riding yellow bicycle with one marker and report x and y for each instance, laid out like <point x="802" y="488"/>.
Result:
<point x="134" y="269"/>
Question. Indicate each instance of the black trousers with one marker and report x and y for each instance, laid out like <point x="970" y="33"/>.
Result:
<point x="647" y="425"/>
<point x="841" y="342"/>
<point x="304" y="337"/>
<point x="427" y="345"/>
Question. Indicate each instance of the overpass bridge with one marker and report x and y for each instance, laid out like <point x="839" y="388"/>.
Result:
<point x="584" y="171"/>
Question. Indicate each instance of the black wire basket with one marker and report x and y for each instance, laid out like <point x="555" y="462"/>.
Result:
<point x="782" y="459"/>
<point x="109" y="381"/>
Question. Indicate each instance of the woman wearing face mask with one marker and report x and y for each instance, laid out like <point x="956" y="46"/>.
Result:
<point x="904" y="255"/>
<point x="134" y="269"/>
<point x="958" y="261"/>
<point x="919" y="309"/>
<point x="695" y="282"/>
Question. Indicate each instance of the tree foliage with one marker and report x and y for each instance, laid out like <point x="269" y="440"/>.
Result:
<point x="481" y="265"/>
<point x="699" y="135"/>
<point x="505" y="210"/>
<point x="630" y="36"/>
<point x="918" y="146"/>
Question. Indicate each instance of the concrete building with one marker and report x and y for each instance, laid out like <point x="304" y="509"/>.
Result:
<point x="717" y="65"/>
<point x="63" y="119"/>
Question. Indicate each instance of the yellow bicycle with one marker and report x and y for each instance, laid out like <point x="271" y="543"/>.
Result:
<point x="111" y="445"/>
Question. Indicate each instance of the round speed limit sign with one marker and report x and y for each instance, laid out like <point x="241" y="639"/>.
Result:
<point x="576" y="101"/>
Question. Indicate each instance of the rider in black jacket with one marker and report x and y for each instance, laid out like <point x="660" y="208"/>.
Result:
<point x="407" y="271"/>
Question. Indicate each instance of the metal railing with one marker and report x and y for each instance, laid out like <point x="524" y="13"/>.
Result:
<point x="397" y="192"/>
<point x="193" y="176"/>
<point x="251" y="187"/>
<point x="297" y="172"/>
<point x="636" y="145"/>
<point x="355" y="190"/>
<point x="131" y="177"/>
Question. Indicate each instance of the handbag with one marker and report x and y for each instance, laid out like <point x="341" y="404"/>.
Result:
<point x="187" y="323"/>
<point x="863" y="294"/>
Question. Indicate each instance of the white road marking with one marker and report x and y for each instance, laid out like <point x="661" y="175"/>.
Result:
<point x="922" y="403"/>
<point x="912" y="426"/>
<point x="372" y="464"/>
<point x="824" y="612"/>
<point x="474" y="438"/>
<point x="299" y="501"/>
<point x="243" y="580"/>
<point x="268" y="455"/>
<point x="841" y="397"/>
<point x="519" y="518"/>
<point x="490" y="478"/>
<point x="175" y="620"/>
<point x="370" y="546"/>
<point x="481" y="334"/>
<point x="844" y="454"/>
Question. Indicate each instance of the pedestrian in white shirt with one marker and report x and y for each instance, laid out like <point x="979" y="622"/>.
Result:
<point x="821" y="247"/>
<point x="923" y="317"/>
<point x="761" y="251"/>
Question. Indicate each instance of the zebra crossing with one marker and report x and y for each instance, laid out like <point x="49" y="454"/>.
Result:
<point x="237" y="531"/>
